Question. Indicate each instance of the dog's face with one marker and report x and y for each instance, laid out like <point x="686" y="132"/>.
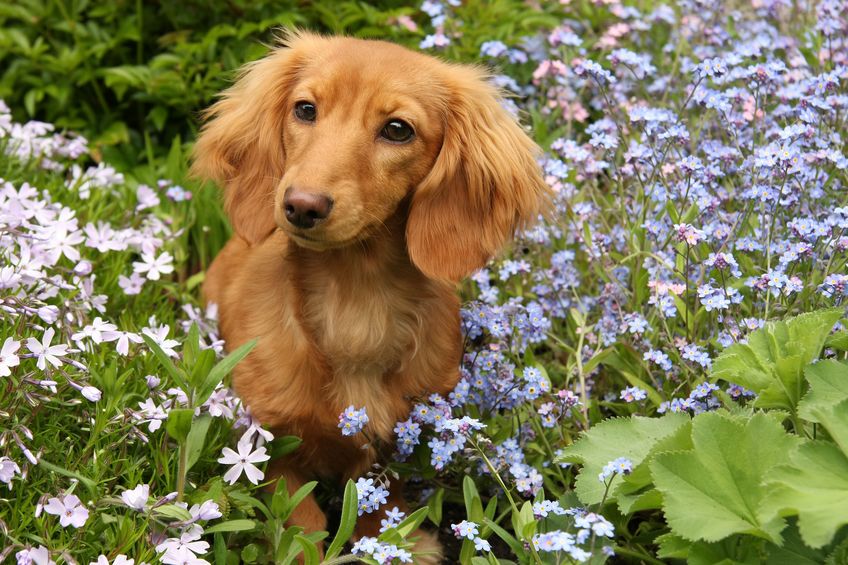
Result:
<point x="327" y="137"/>
<point x="357" y="141"/>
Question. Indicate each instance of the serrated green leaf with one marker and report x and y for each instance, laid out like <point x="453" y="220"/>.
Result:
<point x="813" y="485"/>
<point x="828" y="386"/>
<point x="793" y="551"/>
<point x="714" y="490"/>
<point x="632" y="438"/>
<point x="673" y="547"/>
<point x="771" y="364"/>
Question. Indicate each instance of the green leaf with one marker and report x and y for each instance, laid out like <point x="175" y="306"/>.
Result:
<point x="166" y="362"/>
<point x="412" y="522"/>
<point x="197" y="439"/>
<point x="516" y="546"/>
<point x="310" y="552"/>
<point x="178" y="423"/>
<point x="714" y="491"/>
<point x="632" y="438"/>
<point x="434" y="505"/>
<point x="172" y="511"/>
<point x="793" y="551"/>
<point x="89" y="484"/>
<point x="828" y="386"/>
<point x="221" y="370"/>
<point x="283" y="445"/>
<point x="350" y="508"/>
<point x="473" y="504"/>
<point x="814" y="485"/>
<point x="231" y="526"/>
<point x="771" y="364"/>
<point x="297" y="498"/>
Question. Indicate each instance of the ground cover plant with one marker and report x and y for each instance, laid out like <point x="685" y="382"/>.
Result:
<point x="656" y="372"/>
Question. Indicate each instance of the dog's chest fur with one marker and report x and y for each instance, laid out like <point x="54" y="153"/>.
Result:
<point x="364" y="321"/>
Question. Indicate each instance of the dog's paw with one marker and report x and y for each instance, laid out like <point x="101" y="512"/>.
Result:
<point x="428" y="549"/>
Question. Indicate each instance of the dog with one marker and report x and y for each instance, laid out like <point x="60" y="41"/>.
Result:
<point x="363" y="181"/>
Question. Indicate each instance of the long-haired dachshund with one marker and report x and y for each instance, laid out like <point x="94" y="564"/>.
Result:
<point x="363" y="181"/>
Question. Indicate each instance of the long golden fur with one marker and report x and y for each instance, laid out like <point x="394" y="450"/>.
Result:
<point x="360" y="309"/>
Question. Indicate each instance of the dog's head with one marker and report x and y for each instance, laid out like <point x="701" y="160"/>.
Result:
<point x="326" y="137"/>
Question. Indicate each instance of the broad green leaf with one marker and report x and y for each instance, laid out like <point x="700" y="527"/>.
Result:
<point x="794" y="551"/>
<point x="197" y="438"/>
<point x="473" y="504"/>
<point x="771" y="364"/>
<point x="714" y="491"/>
<point x="736" y="550"/>
<point x="835" y="421"/>
<point x="350" y="508"/>
<point x="636" y="492"/>
<point x="178" y="423"/>
<point x="673" y="547"/>
<point x="828" y="386"/>
<point x="632" y="438"/>
<point x="231" y="526"/>
<point x="814" y="485"/>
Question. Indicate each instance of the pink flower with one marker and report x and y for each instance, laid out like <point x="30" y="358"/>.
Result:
<point x="69" y="509"/>
<point x="7" y="356"/>
<point x="155" y="267"/>
<point x="243" y="461"/>
<point x="46" y="352"/>
<point x="132" y="284"/>
<point x="137" y="497"/>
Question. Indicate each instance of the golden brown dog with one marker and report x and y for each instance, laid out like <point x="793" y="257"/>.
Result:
<point x="363" y="180"/>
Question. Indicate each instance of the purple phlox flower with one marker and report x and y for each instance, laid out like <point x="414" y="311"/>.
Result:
<point x="184" y="549"/>
<point x="8" y="357"/>
<point x="70" y="510"/>
<point x="136" y="498"/>
<point x="243" y="462"/>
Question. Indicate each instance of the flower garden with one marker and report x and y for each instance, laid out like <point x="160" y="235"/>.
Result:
<point x="655" y="372"/>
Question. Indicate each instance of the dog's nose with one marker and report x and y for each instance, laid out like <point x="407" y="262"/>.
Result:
<point x="305" y="209"/>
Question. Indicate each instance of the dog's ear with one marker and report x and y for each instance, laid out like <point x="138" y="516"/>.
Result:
<point x="241" y="145"/>
<point x="484" y="184"/>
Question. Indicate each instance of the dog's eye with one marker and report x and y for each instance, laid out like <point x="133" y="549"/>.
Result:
<point x="305" y="111"/>
<point x="397" y="131"/>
